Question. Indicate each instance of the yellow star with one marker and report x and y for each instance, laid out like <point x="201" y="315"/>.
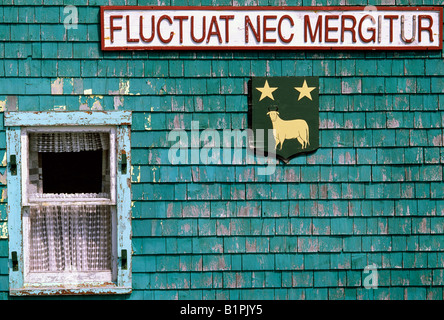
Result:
<point x="266" y="91"/>
<point x="304" y="91"/>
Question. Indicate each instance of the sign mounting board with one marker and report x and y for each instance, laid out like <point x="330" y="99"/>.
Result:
<point x="271" y="28"/>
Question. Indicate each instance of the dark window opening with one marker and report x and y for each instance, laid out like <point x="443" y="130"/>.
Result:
<point x="72" y="172"/>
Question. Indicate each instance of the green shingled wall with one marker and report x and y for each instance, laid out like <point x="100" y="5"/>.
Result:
<point x="373" y="193"/>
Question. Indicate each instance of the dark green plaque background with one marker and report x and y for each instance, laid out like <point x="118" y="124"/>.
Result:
<point x="289" y="108"/>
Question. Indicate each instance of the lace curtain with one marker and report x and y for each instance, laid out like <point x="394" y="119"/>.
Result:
<point x="68" y="141"/>
<point x="70" y="238"/>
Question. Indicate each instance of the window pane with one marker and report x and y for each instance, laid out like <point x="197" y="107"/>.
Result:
<point x="64" y="163"/>
<point x="72" y="172"/>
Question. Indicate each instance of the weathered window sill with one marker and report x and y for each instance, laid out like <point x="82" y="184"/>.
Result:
<point x="62" y="291"/>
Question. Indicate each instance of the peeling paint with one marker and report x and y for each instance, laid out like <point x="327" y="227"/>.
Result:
<point x="3" y="178"/>
<point x="11" y="104"/>
<point x="3" y="105"/>
<point x="223" y="230"/>
<point x="426" y="279"/>
<point x="437" y="141"/>
<point x="124" y="86"/>
<point x="97" y="105"/>
<point x="383" y="227"/>
<point x="57" y="86"/>
<point x="4" y="162"/>
<point x="107" y="288"/>
<point x="133" y="170"/>
<point x="4" y="230"/>
<point x="185" y="229"/>
<point x="423" y="226"/>
<point x="71" y="85"/>
<point x="154" y="169"/>
<point x="346" y="158"/>
<point x="118" y="102"/>
<point x="383" y="198"/>
<point x="59" y="108"/>
<point x="148" y="122"/>
<point x="393" y="123"/>
<point x="348" y="124"/>
<point x="198" y="104"/>
<point x="83" y="105"/>
<point x="336" y="211"/>
<point x="217" y="264"/>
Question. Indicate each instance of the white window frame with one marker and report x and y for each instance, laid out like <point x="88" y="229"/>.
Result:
<point x="25" y="283"/>
<point x="80" y="277"/>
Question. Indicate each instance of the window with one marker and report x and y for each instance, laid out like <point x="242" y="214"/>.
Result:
<point x="69" y="202"/>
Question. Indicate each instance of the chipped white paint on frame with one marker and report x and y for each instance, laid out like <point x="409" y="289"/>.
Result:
<point x="122" y="120"/>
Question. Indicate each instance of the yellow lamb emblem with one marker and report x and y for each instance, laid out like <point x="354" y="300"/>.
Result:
<point x="289" y="129"/>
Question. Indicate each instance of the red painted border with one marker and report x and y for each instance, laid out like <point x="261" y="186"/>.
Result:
<point x="270" y="8"/>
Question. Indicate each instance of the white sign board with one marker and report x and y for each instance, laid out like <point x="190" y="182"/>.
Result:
<point x="271" y="28"/>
